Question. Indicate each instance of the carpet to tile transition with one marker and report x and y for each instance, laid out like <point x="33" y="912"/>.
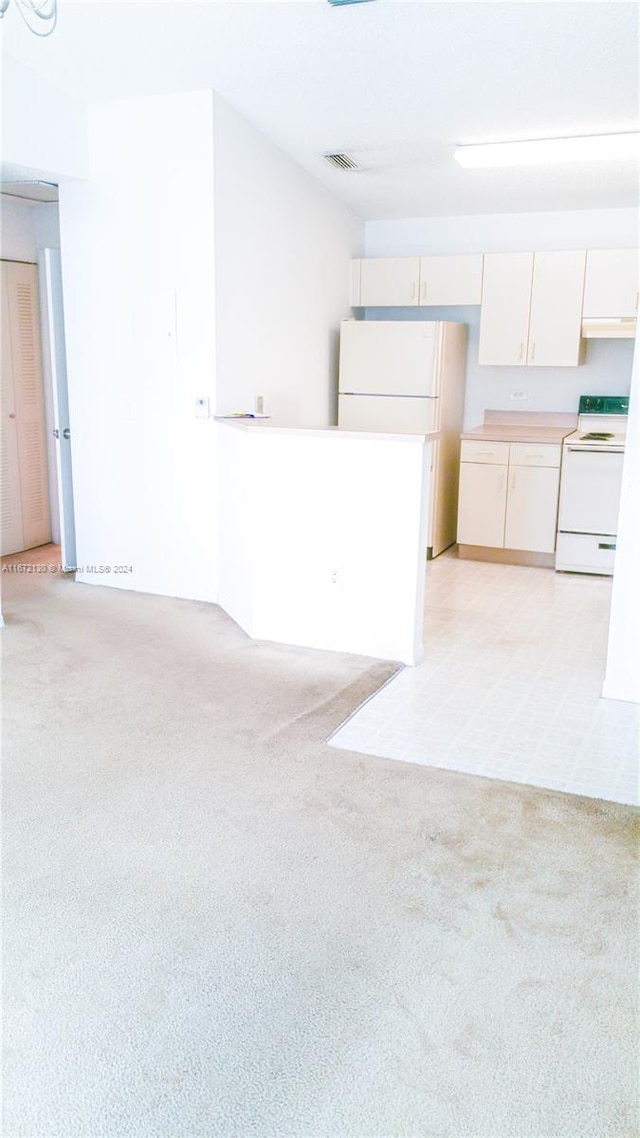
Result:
<point x="217" y="925"/>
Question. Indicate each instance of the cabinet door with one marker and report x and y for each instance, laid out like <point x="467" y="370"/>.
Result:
<point x="482" y="504"/>
<point x="451" y="279"/>
<point x="504" y="316"/>
<point x="611" y="283"/>
<point x="556" y="309"/>
<point x="354" y="284"/>
<point x="532" y="508"/>
<point x="389" y="281"/>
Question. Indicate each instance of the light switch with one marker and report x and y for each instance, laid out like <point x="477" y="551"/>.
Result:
<point x="202" y="407"/>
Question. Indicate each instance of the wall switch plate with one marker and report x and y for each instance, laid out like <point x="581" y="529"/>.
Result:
<point x="519" y="395"/>
<point x="259" y="408"/>
<point x="202" y="407"/>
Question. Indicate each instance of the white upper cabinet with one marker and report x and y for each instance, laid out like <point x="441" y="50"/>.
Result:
<point x="389" y="281"/>
<point x="532" y="309"/>
<point x="611" y="284"/>
<point x="451" y="280"/>
<point x="400" y="282"/>
<point x="506" y="301"/>
<point x="556" y="309"/>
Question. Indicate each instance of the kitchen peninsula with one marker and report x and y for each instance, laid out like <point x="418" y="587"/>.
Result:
<point x="323" y="536"/>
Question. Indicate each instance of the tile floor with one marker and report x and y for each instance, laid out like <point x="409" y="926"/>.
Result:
<point x="510" y="684"/>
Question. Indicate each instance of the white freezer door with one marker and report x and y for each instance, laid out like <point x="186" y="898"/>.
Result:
<point x="590" y="490"/>
<point x="397" y="415"/>
<point x="388" y="357"/>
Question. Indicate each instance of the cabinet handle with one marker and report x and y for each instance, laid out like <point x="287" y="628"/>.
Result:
<point x="423" y="290"/>
<point x="521" y="350"/>
<point x="533" y="351"/>
<point x="413" y="291"/>
<point x="606" y="545"/>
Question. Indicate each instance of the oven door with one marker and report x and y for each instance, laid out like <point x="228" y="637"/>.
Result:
<point x="590" y="490"/>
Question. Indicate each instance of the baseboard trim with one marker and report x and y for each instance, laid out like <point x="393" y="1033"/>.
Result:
<point x="507" y="556"/>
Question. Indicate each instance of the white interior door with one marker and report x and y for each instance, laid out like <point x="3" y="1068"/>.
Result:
<point x="388" y="357"/>
<point x="20" y="284"/>
<point x="55" y="365"/>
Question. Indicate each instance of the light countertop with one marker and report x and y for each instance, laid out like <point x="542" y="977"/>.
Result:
<point x="523" y="427"/>
<point x="269" y="427"/>
<point x="517" y="433"/>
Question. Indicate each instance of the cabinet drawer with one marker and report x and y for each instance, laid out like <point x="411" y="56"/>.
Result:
<point x="535" y="454"/>
<point x="490" y="452"/>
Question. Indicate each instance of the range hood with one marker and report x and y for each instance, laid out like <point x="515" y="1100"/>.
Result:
<point x="609" y="328"/>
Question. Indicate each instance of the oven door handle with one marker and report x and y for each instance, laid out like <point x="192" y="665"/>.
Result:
<point x="596" y="450"/>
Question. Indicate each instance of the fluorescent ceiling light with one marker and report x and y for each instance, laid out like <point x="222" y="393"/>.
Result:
<point x="541" y="151"/>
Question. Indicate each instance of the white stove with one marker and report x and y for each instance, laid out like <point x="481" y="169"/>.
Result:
<point x="590" y="481"/>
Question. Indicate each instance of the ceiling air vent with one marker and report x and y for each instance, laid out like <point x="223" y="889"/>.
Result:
<point x="342" y="162"/>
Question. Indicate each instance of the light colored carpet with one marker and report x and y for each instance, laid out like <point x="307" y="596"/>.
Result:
<point x="216" y="925"/>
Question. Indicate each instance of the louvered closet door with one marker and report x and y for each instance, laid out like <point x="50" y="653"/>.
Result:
<point x="21" y="285"/>
<point x="12" y="539"/>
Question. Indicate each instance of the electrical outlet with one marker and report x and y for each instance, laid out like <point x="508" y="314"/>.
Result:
<point x="519" y="395"/>
<point x="336" y="578"/>
<point x="259" y="405"/>
<point x="202" y="407"/>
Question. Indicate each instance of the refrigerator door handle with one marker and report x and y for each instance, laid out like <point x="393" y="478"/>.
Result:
<point x="384" y="395"/>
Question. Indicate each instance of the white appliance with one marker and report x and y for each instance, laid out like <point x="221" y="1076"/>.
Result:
<point x="590" y="482"/>
<point x="407" y="377"/>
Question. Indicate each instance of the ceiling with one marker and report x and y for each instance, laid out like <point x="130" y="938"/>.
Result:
<point x="395" y="84"/>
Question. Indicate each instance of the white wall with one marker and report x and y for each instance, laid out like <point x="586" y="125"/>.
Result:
<point x="503" y="232"/>
<point x="283" y="245"/>
<point x="607" y="370"/>
<point x="333" y="555"/>
<point x="44" y="130"/>
<point x="623" y="660"/>
<point x="137" y="246"/>
<point x="26" y="227"/>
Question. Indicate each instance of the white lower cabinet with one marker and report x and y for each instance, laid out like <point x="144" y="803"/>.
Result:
<point x="509" y="495"/>
<point x="532" y="508"/>
<point x="481" y="504"/>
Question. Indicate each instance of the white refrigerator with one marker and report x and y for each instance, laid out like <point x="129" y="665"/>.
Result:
<point x="407" y="377"/>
